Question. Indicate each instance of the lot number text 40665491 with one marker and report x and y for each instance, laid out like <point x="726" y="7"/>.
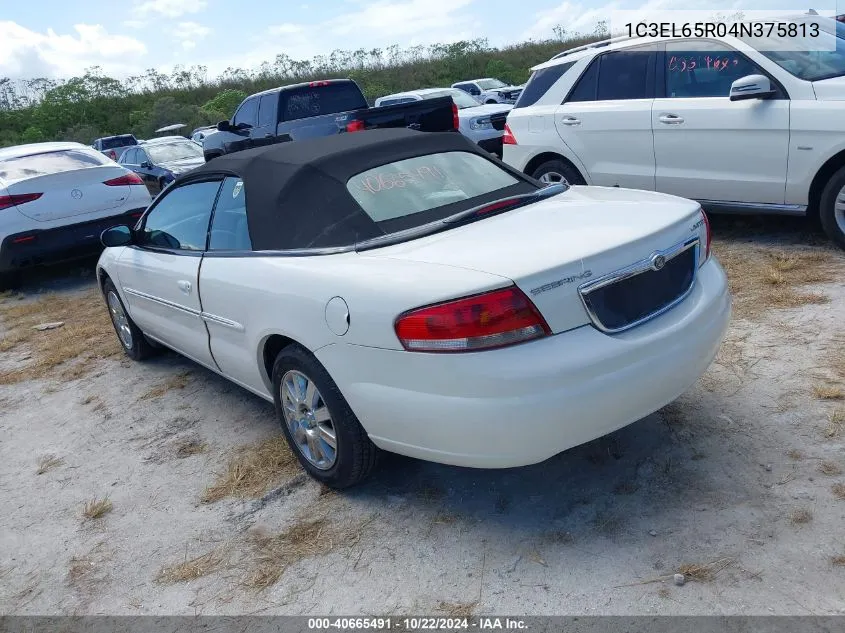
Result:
<point x="417" y="624"/>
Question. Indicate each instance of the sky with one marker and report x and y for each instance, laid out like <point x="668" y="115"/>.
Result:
<point x="61" y="38"/>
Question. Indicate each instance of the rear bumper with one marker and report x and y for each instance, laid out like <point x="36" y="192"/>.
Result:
<point x="492" y="145"/>
<point x="521" y="405"/>
<point x="46" y="246"/>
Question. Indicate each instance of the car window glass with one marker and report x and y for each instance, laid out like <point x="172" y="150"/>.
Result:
<point x="418" y="184"/>
<point x="539" y="84"/>
<point x="247" y="113"/>
<point x="301" y="103"/>
<point x="47" y="163"/>
<point x="624" y="75"/>
<point x="180" y="219"/>
<point x="229" y="229"/>
<point x="178" y="150"/>
<point x="267" y="110"/>
<point x="704" y="69"/>
<point x="128" y="157"/>
<point x="585" y="88"/>
<point x="141" y="157"/>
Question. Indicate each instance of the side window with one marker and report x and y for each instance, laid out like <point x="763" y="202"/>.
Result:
<point x="267" y="110"/>
<point x="229" y="229"/>
<point x="464" y="87"/>
<point x="540" y="82"/>
<point x="585" y="88"/>
<point x="247" y="113"/>
<point x="141" y="157"/>
<point x="180" y="219"/>
<point x="625" y="74"/>
<point x="129" y="158"/>
<point x="704" y="69"/>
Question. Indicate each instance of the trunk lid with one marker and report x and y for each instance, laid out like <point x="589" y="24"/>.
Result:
<point x="551" y="247"/>
<point x="71" y="193"/>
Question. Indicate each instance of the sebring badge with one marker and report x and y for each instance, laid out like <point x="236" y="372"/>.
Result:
<point x="658" y="262"/>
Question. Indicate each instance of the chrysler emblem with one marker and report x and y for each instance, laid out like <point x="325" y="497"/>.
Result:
<point x="658" y="262"/>
<point x="76" y="194"/>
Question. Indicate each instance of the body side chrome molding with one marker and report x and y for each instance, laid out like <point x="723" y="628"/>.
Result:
<point x="637" y="268"/>
<point x="219" y="320"/>
<point x="159" y="300"/>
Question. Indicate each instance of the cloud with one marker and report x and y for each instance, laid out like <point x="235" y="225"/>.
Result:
<point x="188" y="33"/>
<point x="26" y="53"/>
<point x="170" y="8"/>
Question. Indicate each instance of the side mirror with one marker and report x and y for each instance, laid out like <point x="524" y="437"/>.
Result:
<point x="751" y="87"/>
<point x="147" y="164"/>
<point x="224" y="126"/>
<point x="116" y="236"/>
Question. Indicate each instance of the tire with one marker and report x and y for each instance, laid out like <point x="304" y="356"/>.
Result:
<point x="831" y="218"/>
<point x="556" y="171"/>
<point x="132" y="339"/>
<point x="354" y="456"/>
<point x="10" y="280"/>
<point x="491" y="102"/>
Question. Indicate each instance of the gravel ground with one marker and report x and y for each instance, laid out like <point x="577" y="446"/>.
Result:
<point x="738" y="485"/>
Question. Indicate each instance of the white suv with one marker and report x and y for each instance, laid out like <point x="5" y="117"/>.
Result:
<point x="716" y="120"/>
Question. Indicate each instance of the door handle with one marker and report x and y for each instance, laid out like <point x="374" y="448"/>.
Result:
<point x="670" y="119"/>
<point x="570" y="120"/>
<point x="184" y="286"/>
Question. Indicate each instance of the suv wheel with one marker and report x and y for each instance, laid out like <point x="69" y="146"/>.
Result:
<point x="832" y="208"/>
<point x="557" y="171"/>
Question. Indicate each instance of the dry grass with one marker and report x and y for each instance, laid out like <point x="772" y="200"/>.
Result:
<point x="835" y="420"/>
<point x="801" y="516"/>
<point x="761" y="279"/>
<point x="190" y="447"/>
<point x="828" y="392"/>
<point x="275" y="553"/>
<point x="191" y="569"/>
<point x="838" y="491"/>
<point x="87" y="334"/>
<point x="839" y="561"/>
<point x="179" y="381"/>
<point x="48" y="462"/>
<point x="254" y="470"/>
<point x="457" y="609"/>
<point x="795" y="454"/>
<point x="704" y="572"/>
<point x="830" y="468"/>
<point x="96" y="508"/>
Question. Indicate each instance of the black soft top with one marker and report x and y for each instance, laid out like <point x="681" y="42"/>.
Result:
<point x="297" y="196"/>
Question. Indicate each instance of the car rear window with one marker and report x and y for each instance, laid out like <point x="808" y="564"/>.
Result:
<point x="405" y="187"/>
<point x="23" y="167"/>
<point x="301" y="103"/>
<point x="118" y="141"/>
<point x="539" y="84"/>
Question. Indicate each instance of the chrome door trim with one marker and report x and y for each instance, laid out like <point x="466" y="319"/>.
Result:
<point x="160" y="301"/>
<point x="219" y="320"/>
<point x="644" y="265"/>
<point x="722" y="206"/>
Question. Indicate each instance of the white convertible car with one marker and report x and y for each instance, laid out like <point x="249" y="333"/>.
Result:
<point x="406" y="291"/>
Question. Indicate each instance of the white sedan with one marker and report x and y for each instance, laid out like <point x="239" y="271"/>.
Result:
<point x="406" y="291"/>
<point x="55" y="201"/>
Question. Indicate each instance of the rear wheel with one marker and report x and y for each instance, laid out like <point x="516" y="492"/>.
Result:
<point x="832" y="208"/>
<point x="131" y="338"/>
<point x="557" y="171"/>
<point x="318" y="423"/>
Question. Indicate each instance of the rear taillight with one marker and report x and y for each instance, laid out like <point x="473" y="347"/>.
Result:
<point x="485" y="321"/>
<point x="707" y="240"/>
<point x="315" y="84"/>
<point x="456" y="120"/>
<point x="112" y="154"/>
<point x="20" y="198"/>
<point x="355" y="126"/>
<point x="127" y="179"/>
<point x="508" y="138"/>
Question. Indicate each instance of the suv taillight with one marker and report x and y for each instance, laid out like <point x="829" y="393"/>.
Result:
<point x="456" y="120"/>
<point x="485" y="321"/>
<point x="508" y="138"/>
<point x="127" y="179"/>
<point x="707" y="238"/>
<point x="20" y="198"/>
<point x="355" y="126"/>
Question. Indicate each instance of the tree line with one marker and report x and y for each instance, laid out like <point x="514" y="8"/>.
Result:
<point x="93" y="105"/>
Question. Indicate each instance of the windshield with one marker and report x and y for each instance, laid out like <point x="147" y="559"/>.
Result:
<point x="165" y="153"/>
<point x="809" y="65"/>
<point x="490" y="84"/>
<point x="461" y="98"/>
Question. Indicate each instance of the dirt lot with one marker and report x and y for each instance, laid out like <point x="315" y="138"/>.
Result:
<point x="159" y="488"/>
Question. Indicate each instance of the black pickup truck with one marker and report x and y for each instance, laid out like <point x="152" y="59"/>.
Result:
<point x="320" y="108"/>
